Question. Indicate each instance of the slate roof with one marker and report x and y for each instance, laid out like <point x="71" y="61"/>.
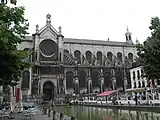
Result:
<point x="97" y="42"/>
<point x="137" y="63"/>
<point x="28" y="38"/>
<point x="89" y="42"/>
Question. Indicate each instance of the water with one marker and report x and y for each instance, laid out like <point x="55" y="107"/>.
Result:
<point x="92" y="113"/>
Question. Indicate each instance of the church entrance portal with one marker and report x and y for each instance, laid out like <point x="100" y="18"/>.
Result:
<point x="48" y="90"/>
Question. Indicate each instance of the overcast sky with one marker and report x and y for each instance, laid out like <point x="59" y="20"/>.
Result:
<point x="94" y="19"/>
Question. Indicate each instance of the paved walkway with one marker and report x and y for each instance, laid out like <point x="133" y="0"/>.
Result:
<point x="57" y="117"/>
<point x="39" y="116"/>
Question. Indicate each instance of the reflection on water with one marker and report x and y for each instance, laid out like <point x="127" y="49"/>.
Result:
<point x="92" y="113"/>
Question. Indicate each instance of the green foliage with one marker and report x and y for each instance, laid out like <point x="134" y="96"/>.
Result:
<point x="149" y="51"/>
<point x="13" y="28"/>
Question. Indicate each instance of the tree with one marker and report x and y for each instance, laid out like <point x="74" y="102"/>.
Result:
<point x="149" y="51"/>
<point x="6" y="1"/>
<point x="13" y="28"/>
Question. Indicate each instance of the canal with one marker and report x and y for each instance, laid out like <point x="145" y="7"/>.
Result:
<point x="92" y="113"/>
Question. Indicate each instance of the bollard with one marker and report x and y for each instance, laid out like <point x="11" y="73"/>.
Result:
<point x="72" y="118"/>
<point x="11" y="115"/>
<point x="49" y="113"/>
<point x="54" y="115"/>
<point x="61" y="116"/>
<point x="45" y="111"/>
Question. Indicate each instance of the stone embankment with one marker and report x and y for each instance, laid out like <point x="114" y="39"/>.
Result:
<point x="50" y="114"/>
<point x="155" y="108"/>
<point x="43" y="114"/>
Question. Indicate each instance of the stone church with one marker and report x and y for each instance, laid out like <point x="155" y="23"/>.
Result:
<point x="62" y="65"/>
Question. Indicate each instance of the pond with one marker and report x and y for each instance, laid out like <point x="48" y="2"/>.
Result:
<point x="92" y="113"/>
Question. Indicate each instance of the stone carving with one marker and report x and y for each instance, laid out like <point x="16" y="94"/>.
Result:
<point x="116" y="61"/>
<point x="94" y="60"/>
<point x="107" y="62"/>
<point x="128" y="62"/>
<point x="69" y="58"/>
<point x="84" y="60"/>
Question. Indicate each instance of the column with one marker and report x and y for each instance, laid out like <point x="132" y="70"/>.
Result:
<point x="11" y="99"/>
<point x="125" y="80"/>
<point x="76" y="81"/>
<point x="64" y="83"/>
<point x="60" y="45"/>
<point x="113" y="79"/>
<point x="123" y="57"/>
<point x="36" y="46"/>
<point x="55" y="91"/>
<point x="65" y="71"/>
<point x="41" y="88"/>
<point x="103" y="58"/>
<point x="101" y="81"/>
<point x="89" y="83"/>
<point x="58" y="90"/>
<point x="61" y="79"/>
<point x="30" y="81"/>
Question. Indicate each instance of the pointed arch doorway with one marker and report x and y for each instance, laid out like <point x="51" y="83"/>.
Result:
<point x="48" y="90"/>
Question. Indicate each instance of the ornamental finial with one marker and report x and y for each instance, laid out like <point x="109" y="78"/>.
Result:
<point x="60" y="30"/>
<point x="48" y="18"/>
<point x="37" y="28"/>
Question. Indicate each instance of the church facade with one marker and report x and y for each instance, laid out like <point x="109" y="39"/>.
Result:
<point x="62" y="65"/>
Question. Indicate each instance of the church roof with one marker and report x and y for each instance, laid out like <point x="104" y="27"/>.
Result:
<point x="97" y="42"/>
<point x="137" y="63"/>
<point x="89" y="42"/>
<point x="28" y="38"/>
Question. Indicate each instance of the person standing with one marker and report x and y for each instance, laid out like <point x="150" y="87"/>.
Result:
<point x="136" y="99"/>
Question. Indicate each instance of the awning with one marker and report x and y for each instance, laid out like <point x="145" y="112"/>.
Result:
<point x="136" y="90"/>
<point x="106" y="93"/>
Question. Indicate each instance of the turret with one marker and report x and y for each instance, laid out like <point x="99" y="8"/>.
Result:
<point x="128" y="36"/>
<point x="60" y="42"/>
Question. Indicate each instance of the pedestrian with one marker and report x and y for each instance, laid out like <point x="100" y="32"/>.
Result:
<point x="136" y="99"/>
